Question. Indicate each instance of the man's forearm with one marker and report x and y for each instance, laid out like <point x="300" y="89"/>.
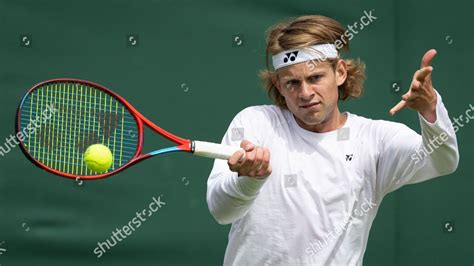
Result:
<point x="444" y="156"/>
<point x="230" y="197"/>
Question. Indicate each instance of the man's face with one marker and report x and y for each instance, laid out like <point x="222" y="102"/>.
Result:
<point x="310" y="91"/>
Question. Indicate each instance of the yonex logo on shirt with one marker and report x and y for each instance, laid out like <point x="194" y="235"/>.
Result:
<point x="349" y="157"/>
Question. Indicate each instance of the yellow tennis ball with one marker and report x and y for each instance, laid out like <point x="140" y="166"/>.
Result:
<point x="98" y="158"/>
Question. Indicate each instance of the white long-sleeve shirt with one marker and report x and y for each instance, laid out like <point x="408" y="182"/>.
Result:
<point x="317" y="206"/>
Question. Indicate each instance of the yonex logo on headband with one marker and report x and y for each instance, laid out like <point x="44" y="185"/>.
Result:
<point x="291" y="56"/>
<point x="316" y="52"/>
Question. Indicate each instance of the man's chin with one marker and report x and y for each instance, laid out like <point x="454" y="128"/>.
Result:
<point x="311" y="120"/>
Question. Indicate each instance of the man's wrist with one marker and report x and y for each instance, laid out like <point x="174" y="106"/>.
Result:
<point x="430" y="114"/>
<point x="250" y="185"/>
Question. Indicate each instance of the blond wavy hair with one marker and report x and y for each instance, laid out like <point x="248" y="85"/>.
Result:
<point x="306" y="31"/>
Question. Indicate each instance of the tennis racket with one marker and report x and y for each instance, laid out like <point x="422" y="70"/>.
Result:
<point x="58" y="119"/>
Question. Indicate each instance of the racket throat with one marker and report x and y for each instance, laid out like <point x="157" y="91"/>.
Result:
<point x="189" y="146"/>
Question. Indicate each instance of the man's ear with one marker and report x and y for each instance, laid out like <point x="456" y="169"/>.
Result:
<point x="341" y="72"/>
<point x="276" y="81"/>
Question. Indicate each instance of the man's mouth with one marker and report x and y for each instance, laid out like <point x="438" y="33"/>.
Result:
<point x="309" y="105"/>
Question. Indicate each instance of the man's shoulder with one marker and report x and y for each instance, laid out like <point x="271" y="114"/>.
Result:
<point x="261" y="108"/>
<point x="261" y="112"/>
<point x="377" y="125"/>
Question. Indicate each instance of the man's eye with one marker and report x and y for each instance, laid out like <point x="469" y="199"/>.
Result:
<point x="292" y="84"/>
<point x="314" y="78"/>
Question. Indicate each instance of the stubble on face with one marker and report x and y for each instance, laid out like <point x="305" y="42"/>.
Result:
<point x="311" y="94"/>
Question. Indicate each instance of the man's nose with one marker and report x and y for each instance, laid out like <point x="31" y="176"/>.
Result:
<point x="306" y="92"/>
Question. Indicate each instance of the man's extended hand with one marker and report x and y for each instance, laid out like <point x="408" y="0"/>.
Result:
<point x="421" y="96"/>
<point x="255" y="164"/>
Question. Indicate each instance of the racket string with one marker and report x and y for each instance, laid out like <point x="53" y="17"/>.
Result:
<point x="84" y="116"/>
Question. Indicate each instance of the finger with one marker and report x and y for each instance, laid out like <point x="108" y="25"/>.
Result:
<point x="266" y="161"/>
<point x="257" y="163"/>
<point x="428" y="57"/>
<point x="269" y="170"/>
<point x="402" y="104"/>
<point x="421" y="74"/>
<point x="235" y="158"/>
<point x="247" y="145"/>
<point x="407" y="96"/>
<point x="265" y="172"/>
<point x="248" y="161"/>
<point x="415" y="85"/>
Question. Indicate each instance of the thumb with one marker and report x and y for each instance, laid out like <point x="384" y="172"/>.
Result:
<point x="401" y="105"/>
<point x="247" y="145"/>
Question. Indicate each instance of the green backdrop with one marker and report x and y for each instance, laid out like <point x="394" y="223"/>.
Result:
<point x="190" y="67"/>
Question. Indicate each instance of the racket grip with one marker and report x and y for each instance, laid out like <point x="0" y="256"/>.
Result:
<point x="214" y="150"/>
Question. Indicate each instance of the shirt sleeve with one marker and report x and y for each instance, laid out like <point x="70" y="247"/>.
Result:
<point x="405" y="157"/>
<point x="229" y="196"/>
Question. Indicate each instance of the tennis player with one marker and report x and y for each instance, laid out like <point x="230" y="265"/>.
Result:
<point x="313" y="177"/>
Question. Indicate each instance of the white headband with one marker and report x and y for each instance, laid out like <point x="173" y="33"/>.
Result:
<point x="318" y="52"/>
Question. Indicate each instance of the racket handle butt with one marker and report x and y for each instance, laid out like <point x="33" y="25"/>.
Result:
<point x="214" y="150"/>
